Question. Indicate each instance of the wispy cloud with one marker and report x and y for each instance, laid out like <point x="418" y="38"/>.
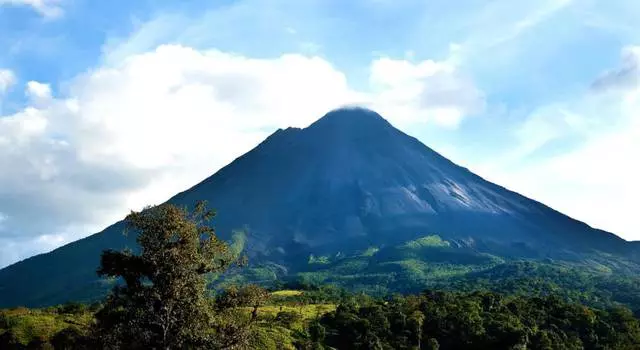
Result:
<point x="512" y="29"/>
<point x="627" y="76"/>
<point x="618" y="18"/>
<point x="47" y="8"/>
<point x="595" y="175"/>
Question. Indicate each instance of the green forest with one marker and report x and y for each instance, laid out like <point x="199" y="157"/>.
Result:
<point x="171" y="294"/>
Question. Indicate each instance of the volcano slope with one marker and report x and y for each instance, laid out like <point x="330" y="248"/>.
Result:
<point x="354" y="201"/>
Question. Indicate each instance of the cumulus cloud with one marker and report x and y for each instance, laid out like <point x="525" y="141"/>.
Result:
<point x="7" y="78"/>
<point x="135" y="132"/>
<point x="47" y="8"/>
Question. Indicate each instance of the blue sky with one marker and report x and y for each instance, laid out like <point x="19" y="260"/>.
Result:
<point x="540" y="96"/>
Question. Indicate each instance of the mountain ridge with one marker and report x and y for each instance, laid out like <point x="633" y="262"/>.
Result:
<point x="346" y="182"/>
<point x="277" y="139"/>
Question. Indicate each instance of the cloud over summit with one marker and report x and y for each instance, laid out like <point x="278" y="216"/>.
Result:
<point x="134" y="133"/>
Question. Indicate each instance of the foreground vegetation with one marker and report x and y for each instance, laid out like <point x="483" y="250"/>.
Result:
<point x="332" y="318"/>
<point x="161" y="300"/>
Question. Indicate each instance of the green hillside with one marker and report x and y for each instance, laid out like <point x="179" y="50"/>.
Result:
<point x="433" y="263"/>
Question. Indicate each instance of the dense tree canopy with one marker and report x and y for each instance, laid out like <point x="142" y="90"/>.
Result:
<point x="164" y="301"/>
<point x="327" y="317"/>
<point x="481" y="320"/>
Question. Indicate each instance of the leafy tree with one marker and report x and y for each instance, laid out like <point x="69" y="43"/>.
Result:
<point x="317" y="332"/>
<point x="39" y="343"/>
<point x="432" y="344"/>
<point x="251" y="296"/>
<point x="9" y="341"/>
<point x="163" y="302"/>
<point x="288" y="318"/>
<point x="73" y="308"/>
<point x="415" y="324"/>
<point x="70" y="338"/>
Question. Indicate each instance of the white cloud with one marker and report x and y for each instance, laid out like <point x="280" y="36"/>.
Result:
<point x="137" y="131"/>
<point x="625" y="77"/>
<point x="7" y="78"/>
<point x="619" y="20"/>
<point x="38" y="93"/>
<point x="596" y="177"/>
<point x="47" y="8"/>
<point x="488" y="25"/>
<point x="427" y="91"/>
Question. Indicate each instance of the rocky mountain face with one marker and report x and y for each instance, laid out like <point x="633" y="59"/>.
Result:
<point x="352" y="178"/>
<point x="348" y="181"/>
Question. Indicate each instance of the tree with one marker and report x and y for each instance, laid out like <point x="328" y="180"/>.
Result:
<point x="70" y="338"/>
<point x="432" y="344"/>
<point x="250" y="295"/>
<point x="317" y="332"/>
<point x="288" y="318"/>
<point x="163" y="302"/>
<point x="9" y="341"/>
<point x="415" y="323"/>
<point x="39" y="343"/>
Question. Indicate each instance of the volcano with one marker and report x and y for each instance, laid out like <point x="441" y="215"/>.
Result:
<point x="346" y="182"/>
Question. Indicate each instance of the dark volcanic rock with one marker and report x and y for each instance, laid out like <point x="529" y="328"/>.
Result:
<point x="352" y="178"/>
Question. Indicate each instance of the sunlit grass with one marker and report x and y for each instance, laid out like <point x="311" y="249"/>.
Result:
<point x="28" y="324"/>
<point x="287" y="293"/>
<point x="307" y="312"/>
<point x="433" y="241"/>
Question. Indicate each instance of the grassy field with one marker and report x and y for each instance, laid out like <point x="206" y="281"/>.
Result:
<point x="28" y="324"/>
<point x="306" y="312"/>
<point x="278" y="322"/>
<point x="287" y="293"/>
<point x="271" y="332"/>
